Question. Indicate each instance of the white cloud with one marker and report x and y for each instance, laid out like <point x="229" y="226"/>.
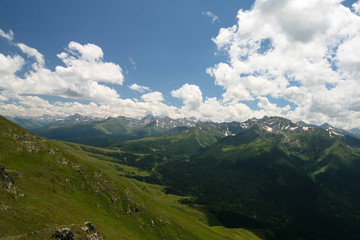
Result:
<point x="9" y="36"/>
<point x="83" y="76"/>
<point x="190" y="94"/>
<point x="153" y="97"/>
<point x="88" y="52"/>
<point x="348" y="56"/>
<point x="293" y="51"/>
<point x="85" y="63"/>
<point x="32" y="52"/>
<point x="28" y="106"/>
<point x="139" y="88"/>
<point x="9" y="65"/>
<point x="271" y="108"/>
<point x="302" y="53"/>
<point x="211" y="15"/>
<point x="356" y="7"/>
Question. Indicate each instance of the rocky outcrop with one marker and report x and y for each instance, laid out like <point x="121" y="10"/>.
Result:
<point x="85" y="231"/>
<point x="92" y="234"/>
<point x="64" y="234"/>
<point x="27" y="140"/>
<point x="6" y="181"/>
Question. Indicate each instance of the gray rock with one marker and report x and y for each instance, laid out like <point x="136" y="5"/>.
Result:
<point x="6" y="181"/>
<point x="93" y="234"/>
<point x="90" y="227"/>
<point x="64" y="234"/>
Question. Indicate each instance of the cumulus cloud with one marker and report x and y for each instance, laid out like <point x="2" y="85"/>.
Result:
<point x="211" y="15"/>
<point x="29" y="106"/>
<point x="139" y="88"/>
<point x="85" y="62"/>
<point x="190" y="94"/>
<point x="212" y="109"/>
<point x="82" y="77"/>
<point x="9" y="65"/>
<point x="9" y="36"/>
<point x="356" y="7"/>
<point x="32" y="52"/>
<point x="297" y="59"/>
<point x="303" y="52"/>
<point x="153" y="97"/>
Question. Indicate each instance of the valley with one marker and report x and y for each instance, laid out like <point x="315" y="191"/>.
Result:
<point x="264" y="178"/>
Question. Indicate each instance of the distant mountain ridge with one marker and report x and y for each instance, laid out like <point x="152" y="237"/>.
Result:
<point x="31" y="123"/>
<point x="355" y="132"/>
<point x="105" y="131"/>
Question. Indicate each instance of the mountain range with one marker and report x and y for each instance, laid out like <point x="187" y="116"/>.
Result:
<point x="105" y="131"/>
<point x="286" y="180"/>
<point x="279" y="175"/>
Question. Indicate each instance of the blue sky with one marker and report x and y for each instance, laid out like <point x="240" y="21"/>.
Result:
<point x="181" y="59"/>
<point x="170" y="41"/>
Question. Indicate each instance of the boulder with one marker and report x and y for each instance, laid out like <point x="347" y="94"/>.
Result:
<point x="64" y="234"/>
<point x="88" y="227"/>
<point x="92" y="233"/>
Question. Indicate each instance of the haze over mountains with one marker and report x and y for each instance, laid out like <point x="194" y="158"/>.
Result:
<point x="126" y="128"/>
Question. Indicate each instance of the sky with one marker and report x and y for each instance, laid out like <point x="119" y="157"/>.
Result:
<point x="212" y="60"/>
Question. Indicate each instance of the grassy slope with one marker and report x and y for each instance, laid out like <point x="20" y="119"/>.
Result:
<point x="157" y="201"/>
<point x="304" y="180"/>
<point x="52" y="188"/>
<point x="180" y="145"/>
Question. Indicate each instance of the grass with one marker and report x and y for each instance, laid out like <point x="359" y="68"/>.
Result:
<point x="54" y="188"/>
<point x="154" y="198"/>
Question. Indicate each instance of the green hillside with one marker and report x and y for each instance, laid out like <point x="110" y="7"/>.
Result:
<point x="277" y="178"/>
<point x="179" y="145"/>
<point x="302" y="185"/>
<point x="195" y="217"/>
<point x="44" y="187"/>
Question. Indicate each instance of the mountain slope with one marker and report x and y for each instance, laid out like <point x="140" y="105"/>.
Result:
<point x="30" y="123"/>
<point x="301" y="182"/>
<point x="351" y="132"/>
<point x="194" y="218"/>
<point x="103" y="133"/>
<point x="44" y="188"/>
<point x="355" y="132"/>
<point x="186" y="142"/>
